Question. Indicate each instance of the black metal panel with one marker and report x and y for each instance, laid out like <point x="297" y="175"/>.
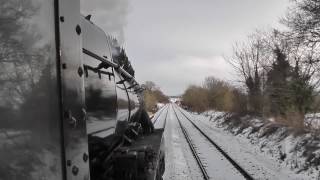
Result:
<point x="95" y="39"/>
<point x="101" y="101"/>
<point x="134" y="104"/>
<point x="100" y="89"/>
<point x="72" y="73"/>
<point x="123" y="112"/>
<point x="30" y="141"/>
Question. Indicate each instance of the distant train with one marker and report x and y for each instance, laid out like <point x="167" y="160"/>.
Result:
<point x="68" y="111"/>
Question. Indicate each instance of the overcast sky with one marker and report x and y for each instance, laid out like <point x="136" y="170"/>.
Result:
<point x="175" y="43"/>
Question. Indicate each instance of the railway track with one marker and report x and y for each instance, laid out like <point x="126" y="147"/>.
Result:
<point x="165" y="119"/>
<point x="218" y="148"/>
<point x="160" y="112"/>
<point x="193" y="149"/>
<point x="161" y="124"/>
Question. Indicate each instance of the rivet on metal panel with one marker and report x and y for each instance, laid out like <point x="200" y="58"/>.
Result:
<point x="61" y="18"/>
<point x="78" y="29"/>
<point x="75" y="170"/>
<point x="68" y="162"/>
<point x="80" y="71"/>
<point x="64" y="66"/>
<point x="85" y="157"/>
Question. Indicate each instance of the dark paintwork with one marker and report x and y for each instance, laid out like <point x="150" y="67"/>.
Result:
<point x="123" y="112"/>
<point x="30" y="146"/>
<point x="134" y="103"/>
<point x="100" y="91"/>
<point x="72" y="73"/>
<point x="35" y="143"/>
<point x="94" y="39"/>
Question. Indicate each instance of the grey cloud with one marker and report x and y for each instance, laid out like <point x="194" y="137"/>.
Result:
<point x="110" y="15"/>
<point x="163" y="36"/>
<point x="179" y="42"/>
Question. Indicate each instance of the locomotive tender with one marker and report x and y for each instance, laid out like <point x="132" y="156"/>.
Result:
<point x="67" y="110"/>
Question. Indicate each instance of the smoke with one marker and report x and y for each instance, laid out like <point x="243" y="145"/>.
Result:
<point x="110" y="15"/>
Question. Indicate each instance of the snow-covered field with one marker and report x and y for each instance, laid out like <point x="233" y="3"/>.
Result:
<point x="264" y="151"/>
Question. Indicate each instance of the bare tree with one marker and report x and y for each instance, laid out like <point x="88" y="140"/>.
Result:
<point x="153" y="95"/>
<point x="150" y="85"/>
<point x="251" y="59"/>
<point x="196" y="98"/>
<point x="219" y="94"/>
<point x="304" y="20"/>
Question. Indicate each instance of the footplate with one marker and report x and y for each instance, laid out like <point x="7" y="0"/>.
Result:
<point x="142" y="160"/>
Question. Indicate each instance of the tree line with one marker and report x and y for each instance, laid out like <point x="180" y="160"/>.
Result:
<point x="214" y="94"/>
<point x="153" y="95"/>
<point x="278" y="69"/>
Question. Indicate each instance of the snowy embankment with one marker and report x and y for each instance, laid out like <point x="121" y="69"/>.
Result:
<point x="290" y="154"/>
<point x="313" y="121"/>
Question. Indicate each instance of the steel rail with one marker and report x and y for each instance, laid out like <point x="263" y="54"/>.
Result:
<point x="233" y="162"/>
<point x="160" y="112"/>
<point x="165" y="120"/>
<point x="192" y="148"/>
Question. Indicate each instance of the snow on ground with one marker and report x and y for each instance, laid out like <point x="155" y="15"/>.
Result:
<point x="313" y="121"/>
<point x="175" y="99"/>
<point x="179" y="162"/>
<point x="159" y="117"/>
<point x="217" y="166"/>
<point x="264" y="150"/>
<point x="160" y="105"/>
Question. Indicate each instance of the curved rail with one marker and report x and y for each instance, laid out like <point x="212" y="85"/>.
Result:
<point x="193" y="150"/>
<point x="233" y="162"/>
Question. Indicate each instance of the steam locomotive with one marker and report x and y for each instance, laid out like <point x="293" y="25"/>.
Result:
<point x="116" y="116"/>
<point x="67" y="110"/>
